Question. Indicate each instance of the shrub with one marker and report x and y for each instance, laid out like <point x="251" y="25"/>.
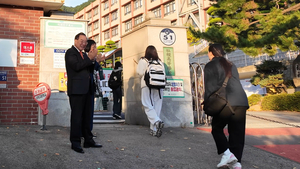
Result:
<point x="254" y="99"/>
<point x="288" y="102"/>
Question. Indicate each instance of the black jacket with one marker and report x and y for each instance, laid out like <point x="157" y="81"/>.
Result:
<point x="78" y="72"/>
<point x="214" y="76"/>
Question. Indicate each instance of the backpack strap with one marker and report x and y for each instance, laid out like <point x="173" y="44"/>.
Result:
<point x="150" y="96"/>
<point x="224" y="86"/>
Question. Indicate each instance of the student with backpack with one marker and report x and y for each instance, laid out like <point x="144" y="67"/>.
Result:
<point x="152" y="73"/>
<point x="115" y="83"/>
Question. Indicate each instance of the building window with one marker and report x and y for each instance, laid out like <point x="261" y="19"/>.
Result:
<point x="105" y="5"/>
<point x="90" y="28"/>
<point x="96" y="25"/>
<point x="113" y="2"/>
<point x="96" y="10"/>
<point x="128" y="25"/>
<point x="96" y="38"/>
<point x="127" y="8"/>
<point x="169" y="8"/>
<point x="190" y="2"/>
<point x="152" y="0"/>
<point x="138" y="19"/>
<point x="114" y="31"/>
<point x="106" y="35"/>
<point x="81" y="17"/>
<point x="114" y="16"/>
<point x="174" y="23"/>
<point x="89" y="14"/>
<point x="137" y="4"/>
<point x="157" y="12"/>
<point x="106" y="19"/>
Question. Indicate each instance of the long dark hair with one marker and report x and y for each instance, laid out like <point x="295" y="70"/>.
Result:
<point x="217" y="51"/>
<point x="90" y="42"/>
<point x="117" y="65"/>
<point x="151" y="53"/>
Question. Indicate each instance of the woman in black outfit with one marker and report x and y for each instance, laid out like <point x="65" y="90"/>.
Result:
<point x="214" y="75"/>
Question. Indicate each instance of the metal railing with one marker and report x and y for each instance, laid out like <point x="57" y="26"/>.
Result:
<point x="197" y="83"/>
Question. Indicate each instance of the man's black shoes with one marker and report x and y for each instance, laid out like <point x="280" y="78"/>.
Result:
<point x="88" y="145"/>
<point x="78" y="149"/>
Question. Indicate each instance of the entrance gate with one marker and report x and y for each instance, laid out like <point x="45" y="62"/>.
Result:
<point x="197" y="84"/>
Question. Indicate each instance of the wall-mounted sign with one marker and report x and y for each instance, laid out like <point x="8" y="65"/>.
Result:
<point x="174" y="88"/>
<point x="27" y="48"/>
<point x="9" y="51"/>
<point x="3" y="79"/>
<point x="169" y="61"/>
<point x="27" y="61"/>
<point x="167" y="36"/>
<point x="59" y="58"/>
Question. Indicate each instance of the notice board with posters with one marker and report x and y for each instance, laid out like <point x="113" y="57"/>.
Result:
<point x="57" y="36"/>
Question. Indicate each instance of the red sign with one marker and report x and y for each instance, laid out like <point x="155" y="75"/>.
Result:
<point x="27" y="48"/>
<point x="41" y="94"/>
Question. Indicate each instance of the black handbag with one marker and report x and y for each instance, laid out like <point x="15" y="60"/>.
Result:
<point x="217" y="101"/>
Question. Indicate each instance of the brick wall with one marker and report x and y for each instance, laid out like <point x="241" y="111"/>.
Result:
<point x="17" y="106"/>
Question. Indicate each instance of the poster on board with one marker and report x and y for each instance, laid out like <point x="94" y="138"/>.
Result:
<point x="61" y="33"/>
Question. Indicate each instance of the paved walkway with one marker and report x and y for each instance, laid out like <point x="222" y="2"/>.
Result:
<point x="131" y="147"/>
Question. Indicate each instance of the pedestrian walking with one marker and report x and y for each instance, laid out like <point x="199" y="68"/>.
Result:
<point x="151" y="99"/>
<point x="215" y="73"/>
<point x="115" y="82"/>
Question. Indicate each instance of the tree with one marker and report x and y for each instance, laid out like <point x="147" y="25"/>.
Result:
<point x="254" y="26"/>
<point x="109" y="45"/>
<point x="270" y="75"/>
<point x="77" y="8"/>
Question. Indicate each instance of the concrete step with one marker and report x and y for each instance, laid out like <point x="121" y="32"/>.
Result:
<point x="105" y="117"/>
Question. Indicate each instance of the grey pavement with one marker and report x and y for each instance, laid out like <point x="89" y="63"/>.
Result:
<point x="131" y="147"/>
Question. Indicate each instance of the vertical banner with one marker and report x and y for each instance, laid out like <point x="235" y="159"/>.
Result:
<point x="62" y="78"/>
<point x="104" y="83"/>
<point x="174" y="88"/>
<point x="169" y="61"/>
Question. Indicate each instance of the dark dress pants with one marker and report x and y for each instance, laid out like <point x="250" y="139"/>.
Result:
<point x="236" y="129"/>
<point x="80" y="118"/>
<point x="117" y="97"/>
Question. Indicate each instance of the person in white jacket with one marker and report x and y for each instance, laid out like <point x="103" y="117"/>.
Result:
<point x="152" y="104"/>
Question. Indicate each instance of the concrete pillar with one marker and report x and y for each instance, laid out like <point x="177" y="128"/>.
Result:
<point x="177" y="110"/>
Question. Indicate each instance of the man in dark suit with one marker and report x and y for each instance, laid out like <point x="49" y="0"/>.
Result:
<point x="79" y="66"/>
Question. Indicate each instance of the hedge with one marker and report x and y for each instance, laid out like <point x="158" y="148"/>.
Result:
<point x="287" y="102"/>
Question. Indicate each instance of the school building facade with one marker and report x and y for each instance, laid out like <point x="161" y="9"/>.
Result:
<point x="111" y="19"/>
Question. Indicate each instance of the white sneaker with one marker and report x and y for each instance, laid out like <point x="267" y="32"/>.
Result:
<point x="236" y="165"/>
<point x="153" y="133"/>
<point x="159" y="125"/>
<point x="227" y="160"/>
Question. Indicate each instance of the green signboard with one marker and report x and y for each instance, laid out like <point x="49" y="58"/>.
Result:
<point x="169" y="61"/>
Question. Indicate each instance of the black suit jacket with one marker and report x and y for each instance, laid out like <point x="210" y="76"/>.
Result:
<point x="78" y="72"/>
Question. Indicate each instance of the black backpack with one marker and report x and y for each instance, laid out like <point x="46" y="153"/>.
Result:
<point x="114" y="80"/>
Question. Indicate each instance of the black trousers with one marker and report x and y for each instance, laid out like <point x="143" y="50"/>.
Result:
<point x="80" y="118"/>
<point x="236" y="129"/>
<point x="117" y="97"/>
